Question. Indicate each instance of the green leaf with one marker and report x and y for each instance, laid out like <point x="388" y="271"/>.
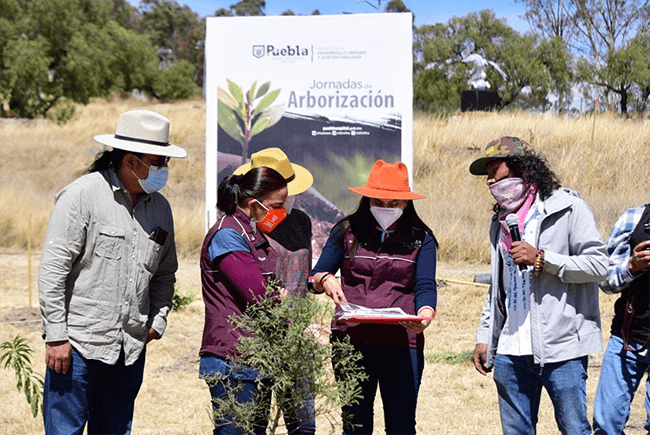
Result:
<point x="227" y="99"/>
<point x="34" y="407"/>
<point x="229" y="122"/>
<point x="251" y="91"/>
<point x="28" y="389"/>
<point x="19" y="380"/>
<point x="263" y="90"/>
<point x="236" y="92"/>
<point x="260" y="125"/>
<point x="6" y="356"/>
<point x="266" y="101"/>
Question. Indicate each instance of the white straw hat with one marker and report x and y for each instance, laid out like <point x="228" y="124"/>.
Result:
<point x="142" y="131"/>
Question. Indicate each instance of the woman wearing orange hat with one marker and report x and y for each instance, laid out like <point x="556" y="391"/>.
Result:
<point x="387" y="258"/>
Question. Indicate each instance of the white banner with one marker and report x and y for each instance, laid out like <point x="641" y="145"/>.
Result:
<point x="334" y="92"/>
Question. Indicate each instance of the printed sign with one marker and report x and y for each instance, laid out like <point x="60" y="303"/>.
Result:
<point x="333" y="92"/>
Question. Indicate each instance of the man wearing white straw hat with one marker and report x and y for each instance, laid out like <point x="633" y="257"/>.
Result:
<point x="106" y="278"/>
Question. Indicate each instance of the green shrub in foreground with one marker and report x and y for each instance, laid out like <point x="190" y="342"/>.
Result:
<point x="282" y="343"/>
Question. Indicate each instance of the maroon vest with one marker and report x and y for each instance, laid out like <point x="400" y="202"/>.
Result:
<point x="219" y="335"/>
<point x="381" y="276"/>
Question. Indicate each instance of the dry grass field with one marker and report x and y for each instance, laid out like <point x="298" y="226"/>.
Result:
<point x="38" y="158"/>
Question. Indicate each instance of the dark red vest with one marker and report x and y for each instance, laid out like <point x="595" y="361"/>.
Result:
<point x="219" y="336"/>
<point x="381" y="276"/>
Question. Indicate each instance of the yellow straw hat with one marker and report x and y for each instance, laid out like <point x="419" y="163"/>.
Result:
<point x="298" y="178"/>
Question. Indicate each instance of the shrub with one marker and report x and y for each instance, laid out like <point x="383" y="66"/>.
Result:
<point x="180" y="301"/>
<point x="175" y="83"/>
<point x="281" y="341"/>
<point x="17" y="357"/>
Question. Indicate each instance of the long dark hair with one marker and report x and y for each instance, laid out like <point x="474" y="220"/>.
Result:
<point x="253" y="184"/>
<point x="359" y="222"/>
<point x="107" y="159"/>
<point x="533" y="167"/>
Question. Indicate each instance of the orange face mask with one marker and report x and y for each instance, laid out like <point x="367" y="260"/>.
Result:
<point x="271" y="219"/>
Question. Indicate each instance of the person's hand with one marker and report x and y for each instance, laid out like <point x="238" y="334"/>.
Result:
<point x="58" y="355"/>
<point x="480" y="357"/>
<point x="319" y="333"/>
<point x="523" y="253"/>
<point x="152" y="335"/>
<point x="333" y="289"/>
<point x="640" y="258"/>
<point x="418" y="326"/>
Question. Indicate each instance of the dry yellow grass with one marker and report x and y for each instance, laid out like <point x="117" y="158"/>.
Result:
<point x="38" y="158"/>
<point x="608" y="173"/>
<point x="454" y="399"/>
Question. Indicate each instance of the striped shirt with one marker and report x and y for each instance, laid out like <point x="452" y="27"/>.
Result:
<point x="619" y="251"/>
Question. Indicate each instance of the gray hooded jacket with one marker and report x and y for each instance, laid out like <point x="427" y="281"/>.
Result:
<point x="564" y="312"/>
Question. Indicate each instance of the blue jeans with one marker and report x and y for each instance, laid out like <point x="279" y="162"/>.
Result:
<point x="620" y="376"/>
<point x="213" y="367"/>
<point x="519" y="384"/>
<point x="398" y="372"/>
<point x="92" y="391"/>
<point x="301" y="421"/>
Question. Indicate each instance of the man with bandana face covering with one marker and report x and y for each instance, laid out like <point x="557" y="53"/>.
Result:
<point x="540" y="321"/>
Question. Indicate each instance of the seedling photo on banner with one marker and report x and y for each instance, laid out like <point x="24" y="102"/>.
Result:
<point x="333" y="92"/>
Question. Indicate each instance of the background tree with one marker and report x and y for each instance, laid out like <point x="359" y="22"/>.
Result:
<point x="641" y="44"/>
<point x="558" y="61"/>
<point x="177" y="28"/>
<point x="440" y="75"/>
<point x="626" y="72"/>
<point x="602" y="28"/>
<point x="223" y="12"/>
<point x="553" y="23"/>
<point x="249" y="8"/>
<point x="437" y="80"/>
<point x="549" y="18"/>
<point x="396" y="6"/>
<point x="243" y="8"/>
<point x="58" y="52"/>
<point x="124" y="14"/>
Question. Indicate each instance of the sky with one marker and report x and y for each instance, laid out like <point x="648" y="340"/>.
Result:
<point x="425" y="11"/>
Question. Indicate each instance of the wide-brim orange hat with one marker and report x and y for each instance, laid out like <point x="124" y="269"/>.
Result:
<point x="387" y="181"/>
<point x="298" y="178"/>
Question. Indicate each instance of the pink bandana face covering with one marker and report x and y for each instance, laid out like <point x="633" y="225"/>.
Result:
<point x="513" y="196"/>
<point x="510" y="193"/>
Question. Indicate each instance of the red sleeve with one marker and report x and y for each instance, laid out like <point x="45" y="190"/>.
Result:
<point x="243" y="274"/>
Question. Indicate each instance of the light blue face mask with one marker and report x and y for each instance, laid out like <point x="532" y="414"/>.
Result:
<point x="156" y="179"/>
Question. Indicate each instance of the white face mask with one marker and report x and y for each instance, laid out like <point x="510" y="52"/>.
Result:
<point x="156" y="179"/>
<point x="386" y="216"/>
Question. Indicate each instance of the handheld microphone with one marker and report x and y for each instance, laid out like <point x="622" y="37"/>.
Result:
<point x="513" y="223"/>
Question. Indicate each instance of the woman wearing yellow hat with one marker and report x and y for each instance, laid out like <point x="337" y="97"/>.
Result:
<point x="237" y="263"/>
<point x="291" y="241"/>
<point x="387" y="258"/>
